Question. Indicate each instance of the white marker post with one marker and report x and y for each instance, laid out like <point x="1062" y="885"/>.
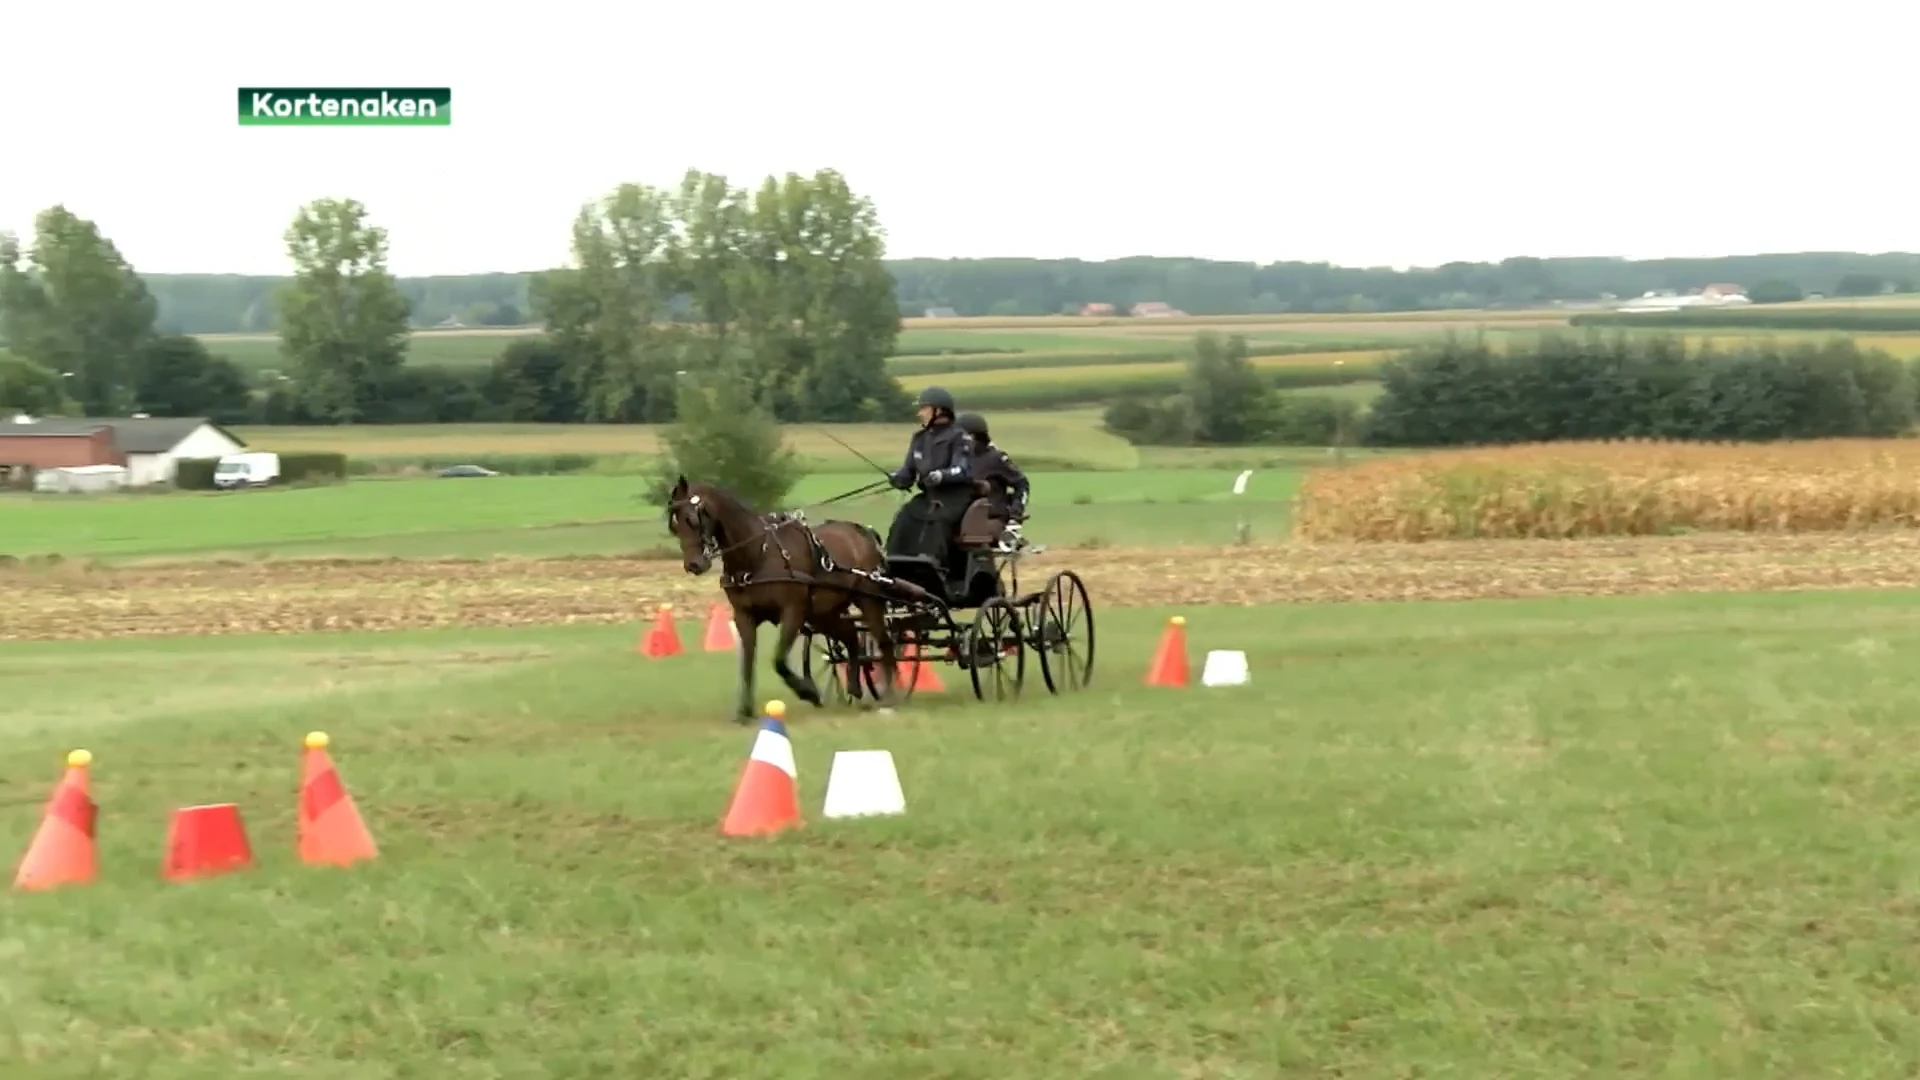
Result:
<point x="1242" y="531"/>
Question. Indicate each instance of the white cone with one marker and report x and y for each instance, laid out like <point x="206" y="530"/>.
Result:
<point x="1225" y="667"/>
<point x="863" y="782"/>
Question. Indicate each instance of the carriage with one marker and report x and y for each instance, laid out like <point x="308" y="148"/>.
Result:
<point x="1053" y="625"/>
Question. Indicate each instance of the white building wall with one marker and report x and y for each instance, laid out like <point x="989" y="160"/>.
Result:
<point x="205" y="442"/>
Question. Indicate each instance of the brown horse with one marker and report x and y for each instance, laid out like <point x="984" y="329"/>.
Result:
<point x="779" y="570"/>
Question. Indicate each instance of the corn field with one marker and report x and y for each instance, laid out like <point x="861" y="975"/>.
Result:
<point x="1569" y="490"/>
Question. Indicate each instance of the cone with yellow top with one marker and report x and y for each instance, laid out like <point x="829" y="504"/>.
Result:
<point x="767" y="797"/>
<point x="661" y="639"/>
<point x="63" y="851"/>
<point x="1169" y="667"/>
<point x="331" y="831"/>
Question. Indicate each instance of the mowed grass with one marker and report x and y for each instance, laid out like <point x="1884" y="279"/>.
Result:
<point x="1111" y="379"/>
<point x="1647" y="837"/>
<point x="581" y="515"/>
<point x="1071" y="438"/>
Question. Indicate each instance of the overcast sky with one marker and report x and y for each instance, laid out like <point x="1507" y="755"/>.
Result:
<point x="1364" y="134"/>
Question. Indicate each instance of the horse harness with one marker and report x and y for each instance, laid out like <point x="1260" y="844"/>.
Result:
<point x="774" y="522"/>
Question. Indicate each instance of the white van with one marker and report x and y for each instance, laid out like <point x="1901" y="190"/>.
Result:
<point x="246" y="470"/>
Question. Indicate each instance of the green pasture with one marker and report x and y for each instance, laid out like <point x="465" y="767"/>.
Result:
<point x="1648" y="837"/>
<point x="572" y="515"/>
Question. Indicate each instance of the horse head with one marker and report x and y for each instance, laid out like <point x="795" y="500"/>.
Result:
<point x="695" y="522"/>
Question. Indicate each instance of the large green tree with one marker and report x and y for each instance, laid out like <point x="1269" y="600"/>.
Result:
<point x="607" y="311"/>
<point x="72" y="304"/>
<point x="27" y="387"/>
<point x="342" y="319"/>
<point x="786" y="282"/>
<point x="180" y="378"/>
<point x="819" y="301"/>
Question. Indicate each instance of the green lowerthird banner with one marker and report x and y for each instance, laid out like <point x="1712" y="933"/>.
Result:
<point x="346" y="106"/>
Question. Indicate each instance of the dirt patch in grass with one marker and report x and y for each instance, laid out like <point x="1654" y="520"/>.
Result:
<point x="336" y="594"/>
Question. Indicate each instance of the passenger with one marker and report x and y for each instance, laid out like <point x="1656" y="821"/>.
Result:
<point x="996" y="478"/>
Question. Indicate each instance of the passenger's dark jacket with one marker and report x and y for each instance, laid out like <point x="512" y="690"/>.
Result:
<point x="939" y="459"/>
<point x="1000" y="480"/>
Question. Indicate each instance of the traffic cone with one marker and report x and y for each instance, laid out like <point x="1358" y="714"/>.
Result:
<point x="1169" y="667"/>
<point x="661" y="639"/>
<point x="767" y="797"/>
<point x="62" y="851"/>
<point x="721" y="635"/>
<point x="914" y="673"/>
<point x="205" y="840"/>
<point x="331" y="832"/>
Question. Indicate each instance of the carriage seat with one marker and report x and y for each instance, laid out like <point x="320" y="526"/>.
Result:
<point x="980" y="527"/>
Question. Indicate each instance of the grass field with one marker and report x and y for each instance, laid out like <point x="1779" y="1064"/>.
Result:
<point x="1647" y="837"/>
<point x="592" y="515"/>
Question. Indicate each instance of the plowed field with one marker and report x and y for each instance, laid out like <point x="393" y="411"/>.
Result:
<point x="89" y="601"/>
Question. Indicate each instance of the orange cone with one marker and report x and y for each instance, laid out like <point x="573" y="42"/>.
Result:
<point x="914" y="673"/>
<point x="206" y="840"/>
<point x="767" y="797"/>
<point x="62" y="851"/>
<point x="720" y="630"/>
<point x="331" y="832"/>
<point x="662" y="639"/>
<point x="1169" y="667"/>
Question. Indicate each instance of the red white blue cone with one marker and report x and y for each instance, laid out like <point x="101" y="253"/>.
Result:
<point x="767" y="798"/>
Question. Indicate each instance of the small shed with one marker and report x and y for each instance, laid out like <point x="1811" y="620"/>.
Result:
<point x="80" y="479"/>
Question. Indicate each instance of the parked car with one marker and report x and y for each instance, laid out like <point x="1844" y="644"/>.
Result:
<point x="467" y="470"/>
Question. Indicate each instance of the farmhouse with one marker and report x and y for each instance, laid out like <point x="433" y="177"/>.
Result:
<point x="1668" y="300"/>
<point x="1155" y="309"/>
<point x="1096" y="309"/>
<point x="150" y="448"/>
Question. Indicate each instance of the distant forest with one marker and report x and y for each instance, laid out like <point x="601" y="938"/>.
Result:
<point x="227" y="303"/>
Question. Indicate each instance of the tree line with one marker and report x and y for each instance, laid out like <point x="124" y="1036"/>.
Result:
<point x="1463" y="391"/>
<point x="234" y="303"/>
<point x="780" y="288"/>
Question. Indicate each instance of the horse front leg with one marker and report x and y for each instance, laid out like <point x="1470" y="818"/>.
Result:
<point x="747" y="628"/>
<point x="792" y="618"/>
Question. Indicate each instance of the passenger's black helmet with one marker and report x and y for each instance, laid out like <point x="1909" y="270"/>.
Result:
<point x="973" y="424"/>
<point x="937" y="397"/>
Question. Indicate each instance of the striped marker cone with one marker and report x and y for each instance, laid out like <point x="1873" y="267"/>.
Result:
<point x="767" y="798"/>
<point x="203" y="841"/>
<point x="62" y="851"/>
<point x="663" y="639"/>
<point x="721" y="635"/>
<point x="331" y="832"/>
<point x="1169" y="667"/>
<point x="915" y="673"/>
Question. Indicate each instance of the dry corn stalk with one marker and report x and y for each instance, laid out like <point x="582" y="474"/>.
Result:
<point x="1624" y="488"/>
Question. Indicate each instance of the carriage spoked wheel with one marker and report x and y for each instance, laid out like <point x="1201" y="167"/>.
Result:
<point x="996" y="651"/>
<point x="1063" y="635"/>
<point x="826" y="662"/>
<point x="911" y="652"/>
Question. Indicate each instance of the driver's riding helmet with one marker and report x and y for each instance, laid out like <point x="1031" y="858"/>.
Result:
<point x="936" y="397"/>
<point x="975" y="425"/>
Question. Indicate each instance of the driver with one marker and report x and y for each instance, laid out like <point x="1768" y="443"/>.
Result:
<point x="940" y="460"/>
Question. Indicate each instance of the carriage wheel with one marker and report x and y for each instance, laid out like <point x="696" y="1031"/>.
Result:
<point x="1063" y="634"/>
<point x="907" y="672"/>
<point x="824" y="661"/>
<point x="996" y="652"/>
